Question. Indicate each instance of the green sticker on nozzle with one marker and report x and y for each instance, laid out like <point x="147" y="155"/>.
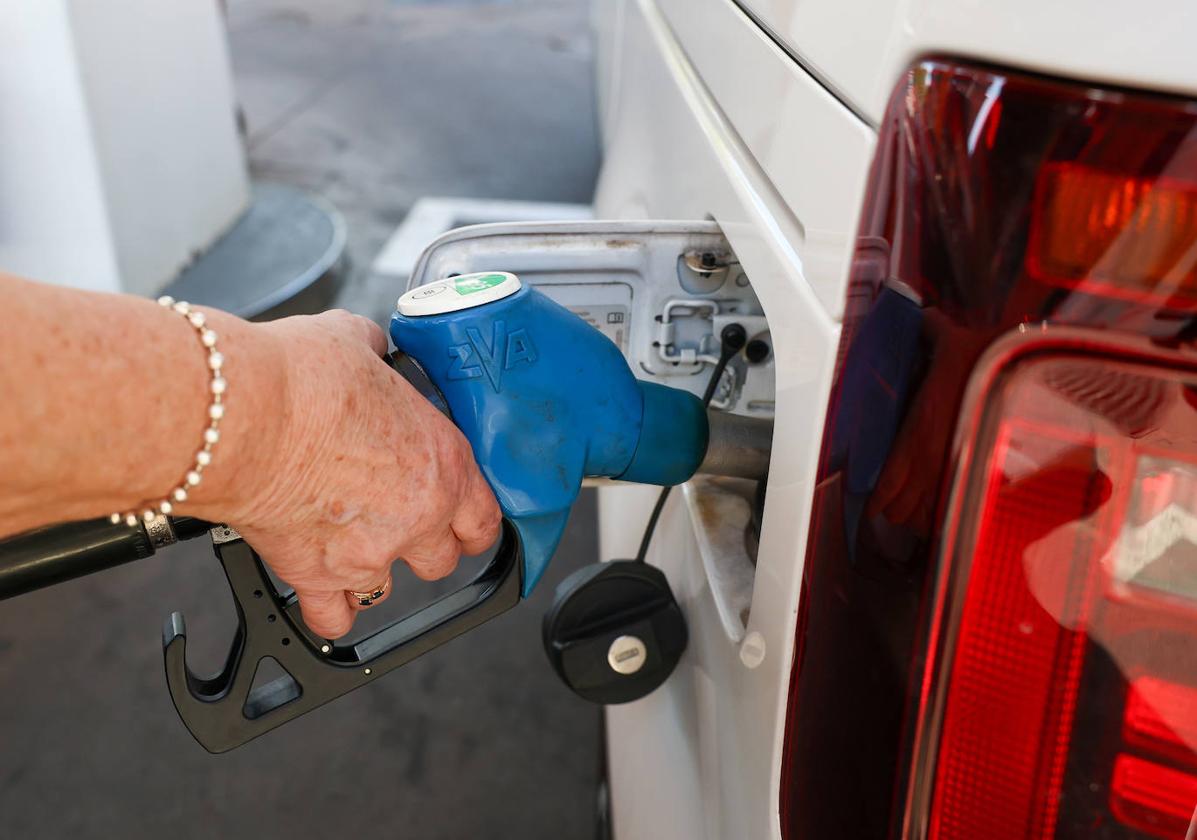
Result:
<point x="474" y="283"/>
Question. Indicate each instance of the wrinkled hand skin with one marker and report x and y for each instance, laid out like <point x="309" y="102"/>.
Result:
<point x="362" y="471"/>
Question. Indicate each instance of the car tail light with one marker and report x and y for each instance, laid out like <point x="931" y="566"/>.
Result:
<point x="1077" y="550"/>
<point x="998" y="627"/>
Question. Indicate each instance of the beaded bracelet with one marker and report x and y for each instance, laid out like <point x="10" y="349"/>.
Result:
<point x="217" y="386"/>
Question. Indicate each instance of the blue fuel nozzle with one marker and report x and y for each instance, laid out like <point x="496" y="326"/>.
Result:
<point x="545" y="400"/>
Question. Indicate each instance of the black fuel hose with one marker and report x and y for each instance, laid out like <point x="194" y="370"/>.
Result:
<point x="57" y="553"/>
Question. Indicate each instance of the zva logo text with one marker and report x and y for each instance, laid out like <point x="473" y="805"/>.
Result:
<point x="476" y="357"/>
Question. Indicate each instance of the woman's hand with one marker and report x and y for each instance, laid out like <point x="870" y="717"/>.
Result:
<point x="355" y="469"/>
<point x="328" y="463"/>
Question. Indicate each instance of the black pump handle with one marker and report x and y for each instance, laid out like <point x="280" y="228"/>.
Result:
<point x="225" y="711"/>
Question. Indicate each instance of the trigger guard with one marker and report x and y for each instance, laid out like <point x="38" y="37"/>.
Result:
<point x="225" y="711"/>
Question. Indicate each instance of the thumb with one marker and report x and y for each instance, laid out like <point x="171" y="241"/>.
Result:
<point x="326" y="614"/>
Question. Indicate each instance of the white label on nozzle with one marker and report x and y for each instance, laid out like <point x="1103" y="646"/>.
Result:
<point x="455" y="293"/>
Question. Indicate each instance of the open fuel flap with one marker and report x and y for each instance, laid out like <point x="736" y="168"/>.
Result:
<point x="663" y="292"/>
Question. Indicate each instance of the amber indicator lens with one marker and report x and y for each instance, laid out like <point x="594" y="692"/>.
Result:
<point x="1118" y="235"/>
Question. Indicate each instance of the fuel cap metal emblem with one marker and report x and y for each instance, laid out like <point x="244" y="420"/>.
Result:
<point x="626" y="655"/>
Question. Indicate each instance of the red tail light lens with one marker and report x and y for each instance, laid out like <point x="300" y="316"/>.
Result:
<point x="998" y="627"/>
<point x="1076" y="547"/>
<point x="1152" y="798"/>
<point x="1161" y="716"/>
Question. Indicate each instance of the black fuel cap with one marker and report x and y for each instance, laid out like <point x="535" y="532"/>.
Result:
<point x="615" y="631"/>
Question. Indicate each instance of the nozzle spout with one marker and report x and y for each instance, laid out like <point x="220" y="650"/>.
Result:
<point x="738" y="446"/>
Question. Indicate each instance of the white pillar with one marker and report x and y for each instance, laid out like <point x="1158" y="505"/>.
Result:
<point x="119" y="153"/>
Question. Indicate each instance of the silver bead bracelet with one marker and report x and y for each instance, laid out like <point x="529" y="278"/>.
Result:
<point x="216" y="386"/>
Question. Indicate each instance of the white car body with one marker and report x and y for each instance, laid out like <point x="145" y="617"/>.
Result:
<point x="763" y="116"/>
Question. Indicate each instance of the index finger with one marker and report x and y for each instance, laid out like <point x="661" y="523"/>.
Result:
<point x="325" y="613"/>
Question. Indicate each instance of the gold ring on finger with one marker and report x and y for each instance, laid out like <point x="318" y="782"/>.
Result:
<point x="372" y="595"/>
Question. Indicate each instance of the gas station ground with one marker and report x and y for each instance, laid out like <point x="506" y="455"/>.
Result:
<point x="371" y="104"/>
